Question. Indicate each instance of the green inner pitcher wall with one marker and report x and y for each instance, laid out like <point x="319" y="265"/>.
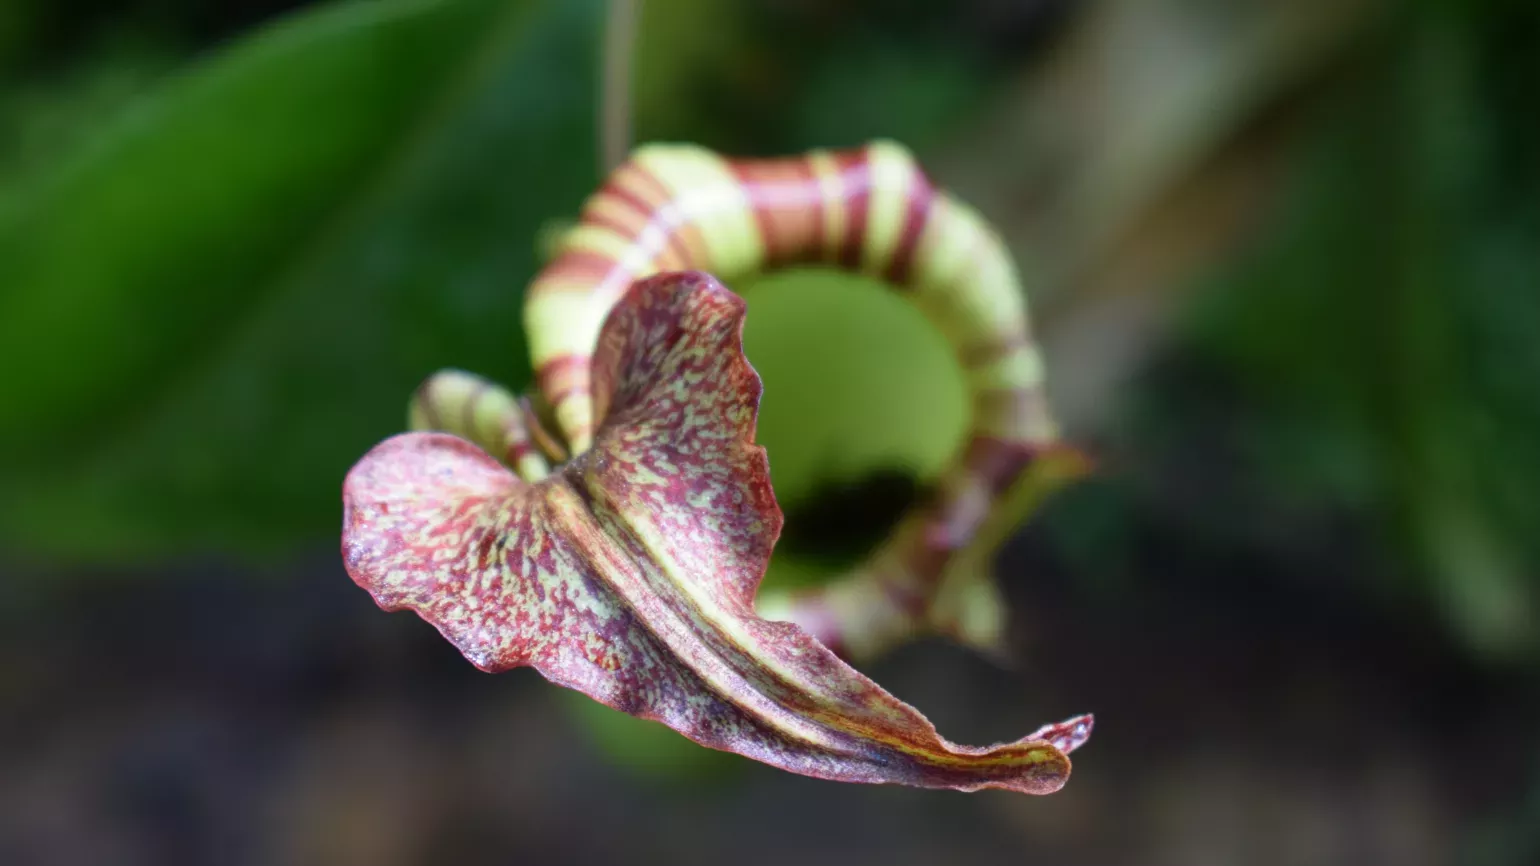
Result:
<point x="856" y="381"/>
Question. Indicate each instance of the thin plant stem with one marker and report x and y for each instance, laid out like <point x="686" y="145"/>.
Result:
<point x="615" y="128"/>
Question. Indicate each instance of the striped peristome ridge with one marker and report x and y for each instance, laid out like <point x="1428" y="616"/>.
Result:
<point x="482" y="411"/>
<point x="870" y="210"/>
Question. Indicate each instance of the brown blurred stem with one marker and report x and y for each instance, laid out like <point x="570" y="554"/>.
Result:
<point x="615" y="95"/>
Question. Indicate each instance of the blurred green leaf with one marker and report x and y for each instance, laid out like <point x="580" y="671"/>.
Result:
<point x="39" y="119"/>
<point x="212" y="308"/>
<point x="16" y="27"/>
<point x="1395" y="311"/>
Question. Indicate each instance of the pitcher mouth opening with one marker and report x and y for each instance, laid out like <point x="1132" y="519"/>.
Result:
<point x="841" y="521"/>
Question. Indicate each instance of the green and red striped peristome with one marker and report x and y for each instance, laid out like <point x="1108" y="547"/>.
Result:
<point x="630" y="571"/>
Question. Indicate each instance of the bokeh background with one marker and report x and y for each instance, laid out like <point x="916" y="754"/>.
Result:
<point x="1284" y="256"/>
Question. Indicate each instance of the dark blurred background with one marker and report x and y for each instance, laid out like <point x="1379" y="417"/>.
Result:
<point x="1284" y="256"/>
